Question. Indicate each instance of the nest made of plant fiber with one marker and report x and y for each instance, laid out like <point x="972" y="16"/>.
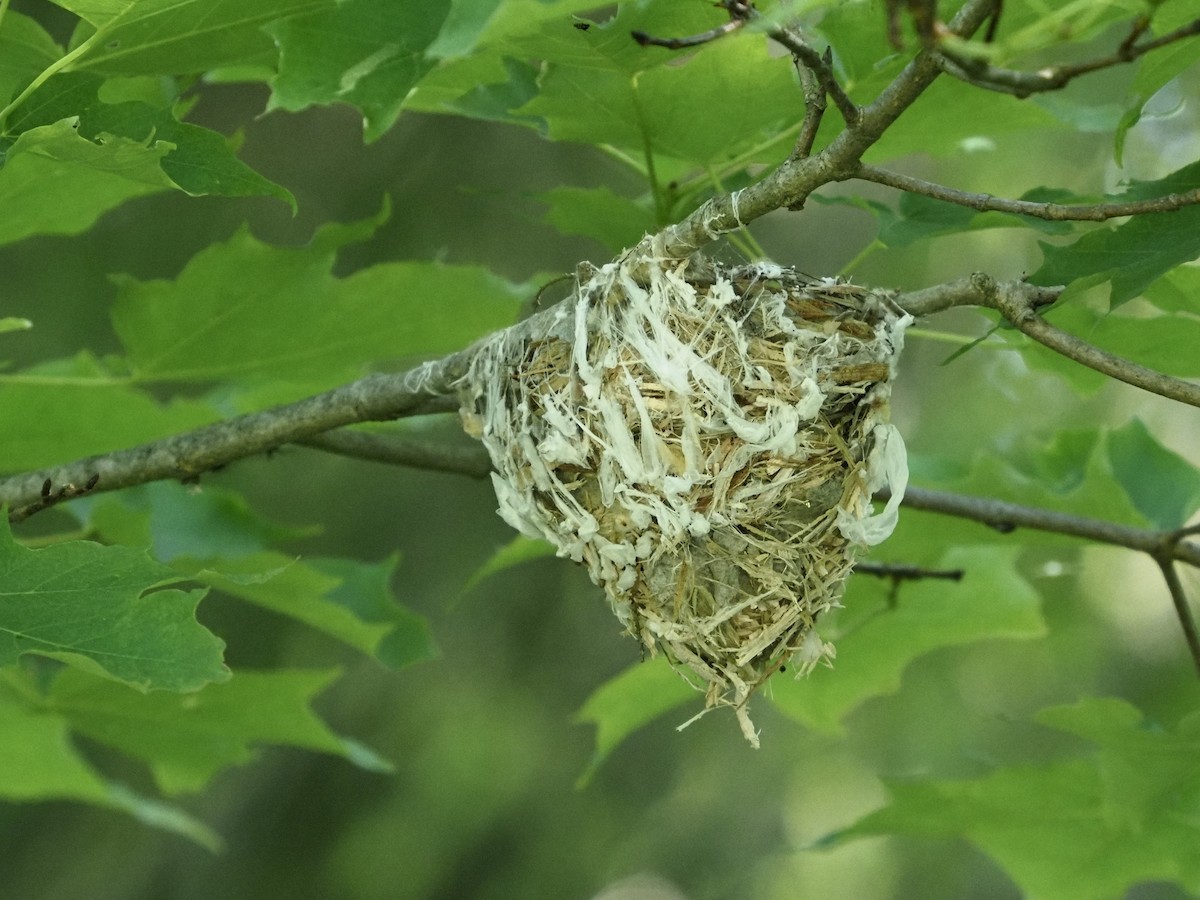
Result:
<point x="706" y="440"/>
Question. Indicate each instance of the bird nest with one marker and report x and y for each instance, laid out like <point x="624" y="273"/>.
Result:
<point x="706" y="440"/>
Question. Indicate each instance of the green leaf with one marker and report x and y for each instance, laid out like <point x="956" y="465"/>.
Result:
<point x="350" y="601"/>
<point x="1133" y="255"/>
<point x="369" y="53"/>
<point x="182" y="525"/>
<point x="1164" y="487"/>
<point x="198" y="161"/>
<point x="1081" y="829"/>
<point x="992" y="601"/>
<point x="37" y="760"/>
<point x="188" y="740"/>
<point x="720" y="103"/>
<point x="615" y="221"/>
<point x="1177" y="290"/>
<point x="1160" y="342"/>
<point x="107" y="610"/>
<point x="475" y="23"/>
<point x="244" y="309"/>
<point x="1155" y="70"/>
<point x="179" y="37"/>
<point x="60" y="412"/>
<point x="56" y="182"/>
<point x="519" y="550"/>
<point x="26" y="49"/>
<point x="625" y="703"/>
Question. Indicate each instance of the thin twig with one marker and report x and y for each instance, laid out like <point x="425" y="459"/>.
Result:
<point x="1182" y="610"/>
<point x="905" y="572"/>
<point x="470" y="460"/>
<point x="814" y="111"/>
<point x="821" y="65"/>
<point x="1006" y="517"/>
<point x="982" y="74"/>
<point x="1017" y="309"/>
<point x="695" y="40"/>
<point x="1055" y="212"/>
<point x="790" y="184"/>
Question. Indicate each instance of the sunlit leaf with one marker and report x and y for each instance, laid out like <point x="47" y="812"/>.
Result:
<point x="155" y="37"/>
<point x="56" y="182"/>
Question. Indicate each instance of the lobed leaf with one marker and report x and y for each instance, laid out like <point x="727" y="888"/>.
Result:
<point x="1133" y="255"/>
<point x="615" y="221"/>
<point x="107" y="610"/>
<point x="350" y="601"/>
<point x="38" y="762"/>
<point x="196" y="160"/>
<point x="243" y="309"/>
<point x="54" y="181"/>
<point x="215" y="538"/>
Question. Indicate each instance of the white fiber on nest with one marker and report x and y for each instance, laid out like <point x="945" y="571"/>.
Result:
<point x="706" y="440"/>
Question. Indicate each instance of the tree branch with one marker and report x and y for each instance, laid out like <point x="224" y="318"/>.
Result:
<point x="1006" y="517"/>
<point x="429" y="388"/>
<point x="470" y="460"/>
<point x="1183" y="611"/>
<point x="975" y="290"/>
<point x="982" y="74"/>
<point x="789" y="185"/>
<point x="188" y="455"/>
<point x="1056" y="212"/>
<point x="1018" y="309"/>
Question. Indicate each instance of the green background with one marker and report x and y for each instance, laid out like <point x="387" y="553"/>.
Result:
<point x="484" y="801"/>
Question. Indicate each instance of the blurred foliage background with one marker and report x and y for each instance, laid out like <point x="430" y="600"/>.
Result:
<point x="484" y="802"/>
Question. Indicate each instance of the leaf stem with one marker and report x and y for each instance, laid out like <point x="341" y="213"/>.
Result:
<point x="53" y="69"/>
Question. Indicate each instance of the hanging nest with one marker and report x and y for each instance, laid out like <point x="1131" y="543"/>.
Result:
<point x="706" y="440"/>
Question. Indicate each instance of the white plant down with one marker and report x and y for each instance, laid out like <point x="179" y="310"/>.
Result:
<point x="706" y="440"/>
